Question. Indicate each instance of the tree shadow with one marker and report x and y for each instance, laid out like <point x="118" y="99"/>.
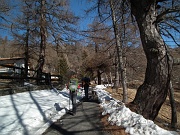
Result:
<point x="25" y="131"/>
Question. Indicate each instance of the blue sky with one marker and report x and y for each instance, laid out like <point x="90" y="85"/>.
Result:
<point x="79" y="7"/>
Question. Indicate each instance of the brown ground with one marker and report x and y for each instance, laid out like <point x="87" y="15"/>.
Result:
<point x="163" y="119"/>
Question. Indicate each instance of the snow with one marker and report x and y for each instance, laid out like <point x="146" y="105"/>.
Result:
<point x="32" y="112"/>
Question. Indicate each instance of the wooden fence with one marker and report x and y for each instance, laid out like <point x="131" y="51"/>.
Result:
<point x="17" y="73"/>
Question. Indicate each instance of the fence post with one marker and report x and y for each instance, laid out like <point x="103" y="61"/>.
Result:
<point x="48" y="78"/>
<point x="22" y="77"/>
<point x="60" y="79"/>
<point x="39" y="76"/>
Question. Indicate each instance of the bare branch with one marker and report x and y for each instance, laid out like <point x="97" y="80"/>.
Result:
<point x="163" y="16"/>
<point x="169" y="34"/>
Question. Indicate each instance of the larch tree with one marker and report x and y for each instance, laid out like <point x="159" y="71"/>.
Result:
<point x="50" y="21"/>
<point x="119" y="48"/>
<point x="100" y="38"/>
<point x="4" y="11"/>
<point x="153" y="92"/>
<point x="117" y="14"/>
<point x="155" y="19"/>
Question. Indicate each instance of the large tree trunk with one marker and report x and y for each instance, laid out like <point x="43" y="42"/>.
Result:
<point x="153" y="92"/>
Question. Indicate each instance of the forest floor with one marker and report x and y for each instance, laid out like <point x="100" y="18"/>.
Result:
<point x="163" y="119"/>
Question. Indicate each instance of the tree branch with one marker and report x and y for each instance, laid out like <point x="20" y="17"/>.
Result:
<point x="169" y="34"/>
<point x="162" y="16"/>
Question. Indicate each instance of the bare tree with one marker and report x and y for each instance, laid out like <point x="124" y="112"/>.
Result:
<point x="4" y="9"/>
<point x="40" y="22"/>
<point x="152" y="93"/>
<point x="120" y="19"/>
<point x="153" y="17"/>
<point x="119" y="52"/>
<point x="100" y="38"/>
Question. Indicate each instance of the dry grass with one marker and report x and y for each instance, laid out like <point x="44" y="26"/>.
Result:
<point x="163" y="119"/>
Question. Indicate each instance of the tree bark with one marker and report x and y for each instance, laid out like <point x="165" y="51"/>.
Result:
<point x="107" y="79"/>
<point x="99" y="77"/>
<point x="27" y="53"/>
<point x="43" y="36"/>
<point x="153" y="92"/>
<point x="119" y="54"/>
<point x="173" y="107"/>
<point x="116" y="79"/>
<point x="41" y="59"/>
<point x="111" y="78"/>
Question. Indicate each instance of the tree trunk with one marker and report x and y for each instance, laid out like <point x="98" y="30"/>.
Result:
<point x="111" y="82"/>
<point x="173" y="107"/>
<point x="116" y="79"/>
<point x="153" y="92"/>
<point x="43" y="42"/>
<point x="26" y="54"/>
<point x="43" y="36"/>
<point x="107" y="79"/>
<point x="119" y="53"/>
<point x="99" y="77"/>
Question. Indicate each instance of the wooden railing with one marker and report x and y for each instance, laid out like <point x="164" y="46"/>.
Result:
<point x="18" y="73"/>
